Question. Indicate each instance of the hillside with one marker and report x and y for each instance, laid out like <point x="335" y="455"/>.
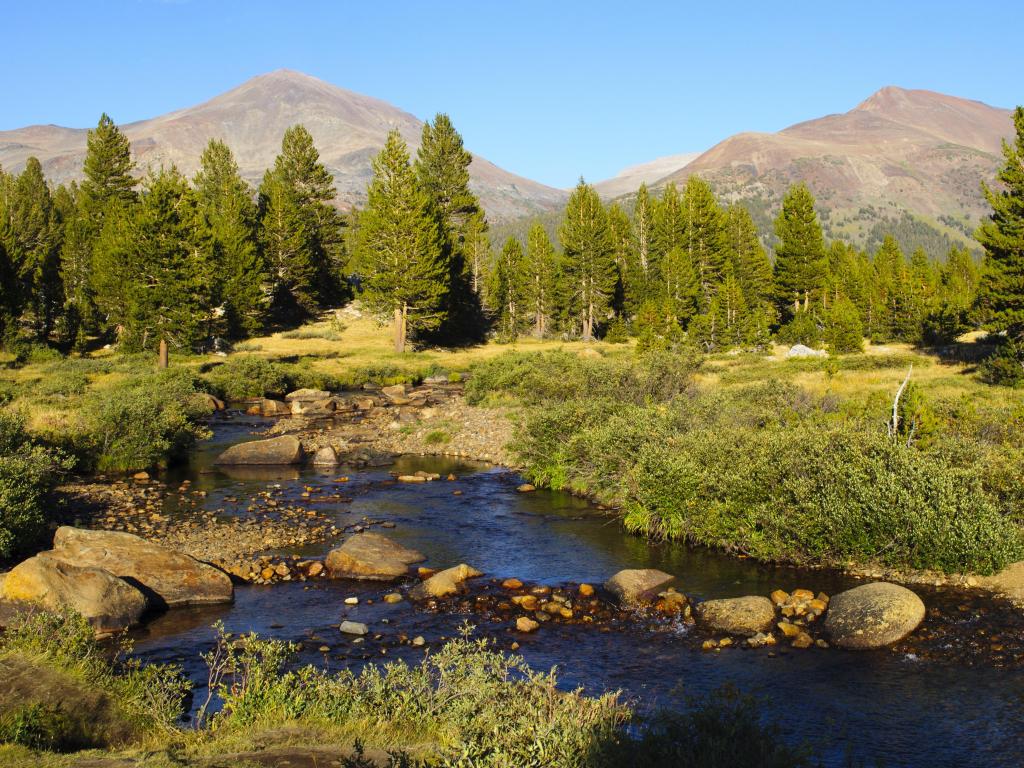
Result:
<point x="629" y="179"/>
<point x="898" y="152"/>
<point x="348" y="128"/>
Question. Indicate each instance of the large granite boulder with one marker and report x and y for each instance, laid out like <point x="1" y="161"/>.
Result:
<point x="286" y="449"/>
<point x="372" y="557"/>
<point x="307" y="395"/>
<point x="108" y="603"/>
<point x="738" y="615"/>
<point x="271" y="408"/>
<point x="444" y="583"/>
<point x="167" y="578"/>
<point x="873" y="615"/>
<point x="801" y="350"/>
<point x="633" y="586"/>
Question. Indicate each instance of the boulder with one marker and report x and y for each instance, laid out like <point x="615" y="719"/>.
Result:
<point x="396" y="391"/>
<point x="638" y="585"/>
<point x="738" y="615"/>
<point x="353" y="628"/>
<point x="208" y="402"/>
<point x="444" y="583"/>
<point x="526" y="624"/>
<point x="307" y="395"/>
<point x="273" y="408"/>
<point x="373" y="557"/>
<point x="873" y="615"/>
<point x="167" y="578"/>
<point x="1008" y="582"/>
<point x="325" y="457"/>
<point x="800" y="350"/>
<point x="311" y="408"/>
<point x="285" y="449"/>
<point x="108" y="603"/>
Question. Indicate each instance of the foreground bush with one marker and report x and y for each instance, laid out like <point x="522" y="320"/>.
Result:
<point x="28" y="473"/>
<point x="142" y="422"/>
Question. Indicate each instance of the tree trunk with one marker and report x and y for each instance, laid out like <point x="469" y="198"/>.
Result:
<point x="162" y="360"/>
<point x="399" y="331"/>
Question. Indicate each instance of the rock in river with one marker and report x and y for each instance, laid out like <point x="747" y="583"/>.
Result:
<point x="166" y="577"/>
<point x="444" y="583"/>
<point x="325" y="457"/>
<point x="873" y="615"/>
<point x="353" y="628"/>
<point x="738" y="615"/>
<point x="638" y="585"/>
<point x="285" y="449"/>
<point x="373" y="557"/>
<point x="108" y="603"/>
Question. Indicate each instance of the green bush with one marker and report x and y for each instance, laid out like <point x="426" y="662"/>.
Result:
<point x="28" y="473"/>
<point x="1005" y="366"/>
<point x="142" y="422"/>
<point x="37" y="726"/>
<point x="802" y="329"/>
<point x="244" y="376"/>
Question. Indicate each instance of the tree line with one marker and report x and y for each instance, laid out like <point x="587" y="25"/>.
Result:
<point x="189" y="261"/>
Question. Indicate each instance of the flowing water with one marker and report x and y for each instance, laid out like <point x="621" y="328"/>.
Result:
<point x="896" y="708"/>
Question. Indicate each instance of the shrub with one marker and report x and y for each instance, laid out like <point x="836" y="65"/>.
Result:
<point x="437" y="437"/>
<point x="144" y="421"/>
<point x="802" y="329"/>
<point x="28" y="473"/>
<point x="843" y="330"/>
<point x="1005" y="366"/>
<point x="245" y="376"/>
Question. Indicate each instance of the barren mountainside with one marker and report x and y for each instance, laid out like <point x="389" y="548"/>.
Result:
<point x="348" y="128"/>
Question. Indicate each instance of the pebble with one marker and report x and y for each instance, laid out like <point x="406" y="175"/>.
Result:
<point x="526" y="624"/>
<point x="351" y="601"/>
<point x="353" y="628"/>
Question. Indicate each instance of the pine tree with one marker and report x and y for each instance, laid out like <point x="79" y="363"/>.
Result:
<point x="589" y="266"/>
<point x="800" y="255"/>
<point x="301" y="231"/>
<point x="1001" y="292"/>
<point x="442" y="168"/>
<point x="749" y="260"/>
<point x="843" y="330"/>
<point x="680" y="288"/>
<point x="400" y="247"/>
<point x="151" y="277"/>
<point x="641" y="275"/>
<point x="704" y="236"/>
<point x="506" y="290"/>
<point x="478" y="256"/>
<point x="620" y="234"/>
<point x="540" y="271"/>
<point x="108" y="169"/>
<point x="669" y="223"/>
<point x="228" y="231"/>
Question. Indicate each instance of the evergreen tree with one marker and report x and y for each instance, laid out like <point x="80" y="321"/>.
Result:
<point x="641" y="274"/>
<point x="228" y="231"/>
<point x="506" y="290"/>
<point x="589" y="266"/>
<point x="301" y="231"/>
<point x="669" y="223"/>
<point x="800" y="255"/>
<point x="749" y="260"/>
<point x="620" y="234"/>
<point x="442" y="168"/>
<point x="477" y="248"/>
<point x="1001" y="291"/>
<point x="680" y="288"/>
<point x="400" y="255"/>
<point x="843" y="330"/>
<point x="151" y="277"/>
<point x="540" y="271"/>
<point x="704" y="236"/>
<point x="108" y="170"/>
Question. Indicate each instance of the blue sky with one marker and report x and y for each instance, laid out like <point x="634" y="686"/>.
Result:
<point x="550" y="90"/>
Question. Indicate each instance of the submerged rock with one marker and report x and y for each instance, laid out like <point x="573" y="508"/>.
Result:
<point x="444" y="583"/>
<point x="285" y="449"/>
<point x="873" y="615"/>
<point x="167" y="578"/>
<point x="108" y="603"/>
<point x="738" y="615"/>
<point x="373" y="557"/>
<point x="638" y="585"/>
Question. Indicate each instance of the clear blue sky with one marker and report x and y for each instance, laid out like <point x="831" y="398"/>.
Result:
<point x="550" y="90"/>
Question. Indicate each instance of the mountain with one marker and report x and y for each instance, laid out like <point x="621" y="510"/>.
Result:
<point x="898" y="154"/>
<point x="629" y="179"/>
<point x="348" y="129"/>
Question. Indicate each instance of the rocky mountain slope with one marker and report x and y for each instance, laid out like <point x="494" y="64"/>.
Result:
<point x="629" y="179"/>
<point x="348" y="128"/>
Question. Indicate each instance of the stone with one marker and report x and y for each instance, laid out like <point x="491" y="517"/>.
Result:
<point x="325" y="457"/>
<point x="787" y="629"/>
<point x="166" y="577"/>
<point x="395" y="391"/>
<point x="373" y="557"/>
<point x="586" y="590"/>
<point x="802" y="640"/>
<point x="526" y="624"/>
<point x="140" y="476"/>
<point x="799" y="350"/>
<point x="873" y="615"/>
<point x="526" y="488"/>
<point x="779" y="596"/>
<point x="307" y="395"/>
<point x="738" y="615"/>
<point x="315" y="569"/>
<point x="351" y="601"/>
<point x="108" y="603"/>
<point x="418" y="641"/>
<point x="208" y="402"/>
<point x="1008" y="582"/>
<point x="353" y="628"/>
<point x="526" y="602"/>
<point x="638" y="585"/>
<point x="444" y="583"/>
<point x="671" y="603"/>
<point x="511" y="584"/>
<point x="273" y="408"/>
<point x="281" y="569"/>
<point x="411" y="479"/>
<point x="312" y="408"/>
<point x="286" y="449"/>
<point x="393" y="597"/>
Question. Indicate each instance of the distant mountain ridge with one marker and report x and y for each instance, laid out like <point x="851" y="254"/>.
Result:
<point x="348" y="128"/>
<point x="898" y="152"/>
